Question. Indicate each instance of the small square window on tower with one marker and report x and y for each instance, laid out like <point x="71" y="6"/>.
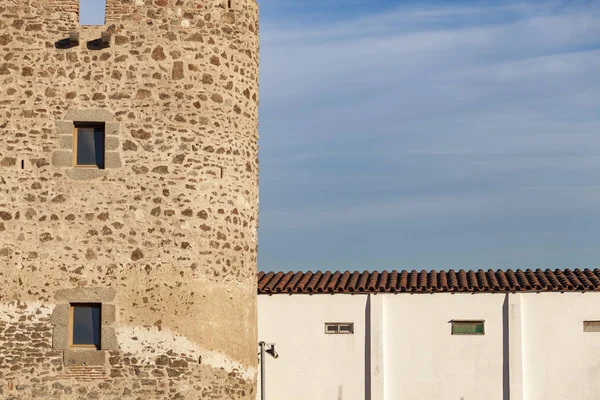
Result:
<point x="88" y="146"/>
<point x="84" y="326"/>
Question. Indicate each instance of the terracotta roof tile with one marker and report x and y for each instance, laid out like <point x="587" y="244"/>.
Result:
<point x="332" y="280"/>
<point x="543" y="280"/>
<point x="291" y="285"/>
<point x="382" y="284"/>
<point x="433" y="281"/>
<point x="392" y="282"/>
<point x="283" y="282"/>
<point x="592" y="277"/>
<point x="341" y="285"/>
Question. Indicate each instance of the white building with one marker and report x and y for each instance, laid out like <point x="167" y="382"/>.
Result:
<point x="520" y="335"/>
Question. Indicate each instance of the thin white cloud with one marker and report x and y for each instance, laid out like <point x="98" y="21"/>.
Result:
<point x="449" y="208"/>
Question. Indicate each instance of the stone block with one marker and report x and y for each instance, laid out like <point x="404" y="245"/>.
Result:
<point x="60" y="314"/>
<point x="66" y="141"/>
<point x="63" y="158"/>
<point x="177" y="72"/>
<point x="85" y="295"/>
<point x="108" y="338"/>
<point x="112" y="159"/>
<point x="90" y="115"/>
<point x="60" y="320"/>
<point x="111" y="143"/>
<point x="111" y="129"/>
<point x="65" y="127"/>
<point x="60" y="336"/>
<point x="84" y="174"/>
<point x="73" y="358"/>
<point x="108" y="314"/>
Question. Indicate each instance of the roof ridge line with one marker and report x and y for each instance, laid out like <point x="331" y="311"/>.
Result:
<point x="432" y="281"/>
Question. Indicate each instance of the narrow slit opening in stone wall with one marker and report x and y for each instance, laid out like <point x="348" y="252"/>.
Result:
<point x="92" y="12"/>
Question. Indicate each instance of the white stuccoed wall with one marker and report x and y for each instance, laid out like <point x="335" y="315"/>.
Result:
<point x="311" y="364"/>
<point x="560" y="360"/>
<point x="534" y="347"/>
<point x="424" y="361"/>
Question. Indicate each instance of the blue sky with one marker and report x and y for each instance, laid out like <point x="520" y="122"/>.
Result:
<point x="429" y="135"/>
<point x="91" y="12"/>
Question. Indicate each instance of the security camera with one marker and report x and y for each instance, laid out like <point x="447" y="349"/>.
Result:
<point x="268" y="348"/>
<point x="272" y="352"/>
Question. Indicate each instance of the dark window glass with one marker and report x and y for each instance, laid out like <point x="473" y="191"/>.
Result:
<point x="86" y="325"/>
<point x="90" y="146"/>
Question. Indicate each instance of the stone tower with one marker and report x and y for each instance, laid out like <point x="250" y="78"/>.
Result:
<point x="128" y="200"/>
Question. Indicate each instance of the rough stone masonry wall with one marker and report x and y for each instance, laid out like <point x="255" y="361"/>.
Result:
<point x="166" y="233"/>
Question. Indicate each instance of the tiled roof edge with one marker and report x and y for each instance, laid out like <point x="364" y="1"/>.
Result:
<point x="449" y="281"/>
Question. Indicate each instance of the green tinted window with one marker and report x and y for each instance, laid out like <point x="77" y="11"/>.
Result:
<point x="467" y="328"/>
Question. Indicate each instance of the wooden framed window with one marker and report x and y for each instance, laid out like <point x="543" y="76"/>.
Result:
<point x="472" y="327"/>
<point x="84" y="325"/>
<point x="339" y="328"/>
<point x="88" y="146"/>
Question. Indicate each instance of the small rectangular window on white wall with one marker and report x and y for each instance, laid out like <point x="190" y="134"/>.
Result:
<point x="339" y="328"/>
<point x="468" y="327"/>
<point x="591" y="326"/>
